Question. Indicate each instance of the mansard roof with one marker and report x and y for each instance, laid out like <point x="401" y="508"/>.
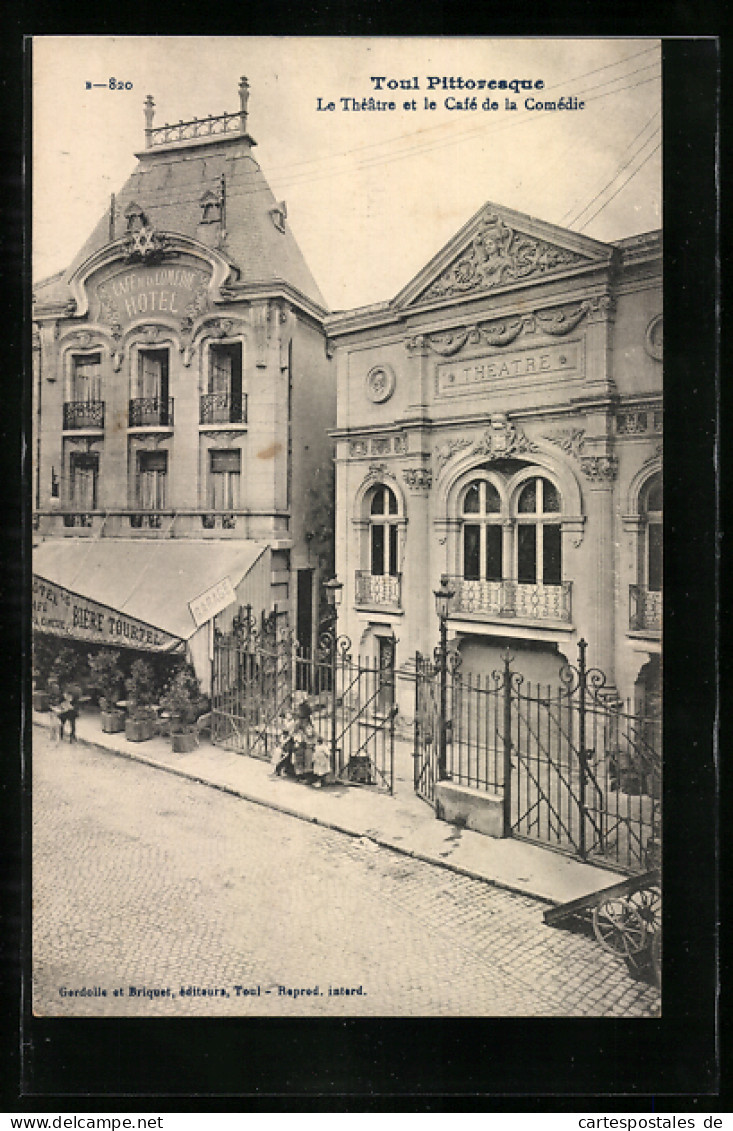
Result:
<point x="169" y="184"/>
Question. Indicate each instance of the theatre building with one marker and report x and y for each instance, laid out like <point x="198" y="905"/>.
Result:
<point x="182" y="398"/>
<point x="500" y="424"/>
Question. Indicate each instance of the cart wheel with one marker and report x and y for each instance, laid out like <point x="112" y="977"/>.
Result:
<point x="648" y="904"/>
<point x="655" y="953"/>
<point x="619" y="927"/>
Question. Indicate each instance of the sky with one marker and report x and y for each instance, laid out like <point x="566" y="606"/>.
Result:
<point x="371" y="195"/>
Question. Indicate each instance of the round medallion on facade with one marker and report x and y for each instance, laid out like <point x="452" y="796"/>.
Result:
<point x="654" y="338"/>
<point x="380" y="383"/>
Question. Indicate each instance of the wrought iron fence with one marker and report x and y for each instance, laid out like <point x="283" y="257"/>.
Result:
<point x="260" y="673"/>
<point x="578" y="769"/>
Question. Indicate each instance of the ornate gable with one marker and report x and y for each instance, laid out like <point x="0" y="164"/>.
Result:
<point x="498" y="249"/>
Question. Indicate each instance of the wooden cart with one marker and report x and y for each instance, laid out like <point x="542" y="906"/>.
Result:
<point x="626" y="919"/>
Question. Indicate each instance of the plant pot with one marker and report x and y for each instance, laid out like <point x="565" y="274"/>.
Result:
<point x="138" y="730"/>
<point x="41" y="701"/>
<point x="113" y="722"/>
<point x="184" y="742"/>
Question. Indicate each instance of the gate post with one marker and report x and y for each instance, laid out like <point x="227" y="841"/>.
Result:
<point x="507" y="748"/>
<point x="582" y="677"/>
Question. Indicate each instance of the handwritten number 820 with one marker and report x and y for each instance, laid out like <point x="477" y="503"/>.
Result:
<point x="115" y="84"/>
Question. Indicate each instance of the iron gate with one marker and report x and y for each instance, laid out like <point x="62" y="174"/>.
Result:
<point x="259" y="672"/>
<point x="576" y="768"/>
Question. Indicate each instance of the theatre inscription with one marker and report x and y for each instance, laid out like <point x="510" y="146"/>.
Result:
<point x="178" y="292"/>
<point x="478" y="374"/>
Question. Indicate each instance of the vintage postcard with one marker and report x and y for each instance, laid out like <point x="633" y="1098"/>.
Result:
<point x="348" y="422"/>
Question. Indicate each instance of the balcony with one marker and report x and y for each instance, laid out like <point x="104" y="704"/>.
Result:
<point x="381" y="590"/>
<point x="645" y="609"/>
<point x="512" y="599"/>
<point x="154" y="412"/>
<point x="86" y="521"/>
<point x="83" y="414"/>
<point x="151" y="520"/>
<point x="223" y="408"/>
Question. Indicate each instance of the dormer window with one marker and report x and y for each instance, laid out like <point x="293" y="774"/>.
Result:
<point x="210" y="208"/>
<point x="278" y="215"/>
<point x="135" y="218"/>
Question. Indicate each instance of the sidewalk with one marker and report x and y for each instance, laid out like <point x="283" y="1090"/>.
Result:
<point x="401" y="822"/>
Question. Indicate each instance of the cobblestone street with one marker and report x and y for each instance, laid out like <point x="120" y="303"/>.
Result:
<point x="143" y="880"/>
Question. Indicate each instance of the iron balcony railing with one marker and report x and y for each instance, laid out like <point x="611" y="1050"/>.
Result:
<point x="151" y="411"/>
<point x="506" y="598"/>
<point x="83" y="414"/>
<point x="645" y="609"/>
<point x="188" y="131"/>
<point x="223" y="408"/>
<point x="378" y="589"/>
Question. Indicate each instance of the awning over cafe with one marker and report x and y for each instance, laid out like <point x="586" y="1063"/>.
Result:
<point x="132" y="593"/>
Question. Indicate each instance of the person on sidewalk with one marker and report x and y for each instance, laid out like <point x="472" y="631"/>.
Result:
<point x="282" y="755"/>
<point x="321" y="763"/>
<point x="67" y="712"/>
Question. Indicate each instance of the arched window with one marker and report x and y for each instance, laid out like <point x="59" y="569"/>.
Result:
<point x="482" y="532"/>
<point x="539" y="541"/>
<point x="651" y="534"/>
<point x="383" y="532"/>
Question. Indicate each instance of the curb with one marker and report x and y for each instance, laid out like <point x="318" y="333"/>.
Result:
<point x="287" y="811"/>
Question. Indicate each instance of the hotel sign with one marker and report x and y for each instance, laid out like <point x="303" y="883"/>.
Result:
<point x="480" y="374"/>
<point x="62" y="613"/>
<point x="146" y="292"/>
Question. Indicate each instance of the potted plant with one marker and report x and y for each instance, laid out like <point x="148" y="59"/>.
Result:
<point x="107" y="678"/>
<point x="43" y="656"/>
<point x="141" y="715"/>
<point x="40" y="697"/>
<point x="181" y="700"/>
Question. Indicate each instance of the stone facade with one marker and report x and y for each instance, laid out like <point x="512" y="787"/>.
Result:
<point x="509" y="400"/>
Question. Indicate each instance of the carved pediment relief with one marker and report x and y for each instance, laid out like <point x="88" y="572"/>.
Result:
<point x="500" y="249"/>
<point x="498" y="255"/>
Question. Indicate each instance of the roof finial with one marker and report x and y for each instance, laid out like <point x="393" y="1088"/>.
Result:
<point x="243" y="100"/>
<point x="149" y="108"/>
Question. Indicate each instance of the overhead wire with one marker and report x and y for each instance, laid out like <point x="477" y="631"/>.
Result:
<point x="573" y="214"/>
<point x="330" y="173"/>
<point x="618" y="190"/>
<point x="422" y="144"/>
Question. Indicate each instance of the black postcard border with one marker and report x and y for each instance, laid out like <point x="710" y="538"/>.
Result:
<point x="430" y="1064"/>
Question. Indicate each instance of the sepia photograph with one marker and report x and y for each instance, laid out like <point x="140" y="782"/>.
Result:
<point x="347" y="527"/>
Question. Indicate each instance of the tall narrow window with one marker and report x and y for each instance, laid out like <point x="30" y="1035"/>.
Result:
<point x="152" y="405"/>
<point x="652" y="534"/>
<point x="84" y="468"/>
<point x="224" y="477"/>
<point x="223" y="402"/>
<point x="539" y="542"/>
<point x="152" y="478"/>
<point x="482" y="536"/>
<point x="86" y="381"/>
<point x="383" y="532"/>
